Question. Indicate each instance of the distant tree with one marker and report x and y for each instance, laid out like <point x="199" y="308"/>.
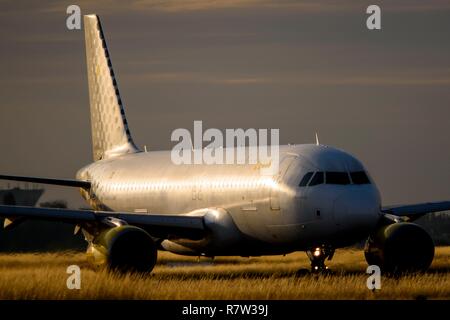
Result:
<point x="9" y="199"/>
<point x="54" y="204"/>
<point x="438" y="226"/>
<point x="42" y="236"/>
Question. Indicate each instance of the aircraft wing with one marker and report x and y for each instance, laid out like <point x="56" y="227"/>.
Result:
<point x="415" y="211"/>
<point x="59" y="182"/>
<point x="158" y="225"/>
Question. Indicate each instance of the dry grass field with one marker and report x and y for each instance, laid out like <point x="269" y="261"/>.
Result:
<point x="43" y="276"/>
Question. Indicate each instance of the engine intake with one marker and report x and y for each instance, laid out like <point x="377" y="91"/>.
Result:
<point x="123" y="248"/>
<point x="400" y="247"/>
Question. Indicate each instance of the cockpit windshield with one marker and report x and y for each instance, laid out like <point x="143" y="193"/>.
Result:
<point x="359" y="177"/>
<point x="305" y="179"/>
<point x="317" y="179"/>
<point x="334" y="177"/>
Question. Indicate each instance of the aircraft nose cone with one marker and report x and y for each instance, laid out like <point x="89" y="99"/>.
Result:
<point x="357" y="210"/>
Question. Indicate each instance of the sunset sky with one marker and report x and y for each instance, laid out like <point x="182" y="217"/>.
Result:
<point x="300" y="66"/>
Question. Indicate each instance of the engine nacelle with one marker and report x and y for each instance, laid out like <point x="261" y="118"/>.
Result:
<point x="123" y="248"/>
<point x="400" y="247"/>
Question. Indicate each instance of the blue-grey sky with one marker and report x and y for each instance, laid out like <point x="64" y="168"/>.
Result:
<point x="300" y="66"/>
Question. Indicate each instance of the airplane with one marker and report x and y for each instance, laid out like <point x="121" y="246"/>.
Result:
<point x="320" y="199"/>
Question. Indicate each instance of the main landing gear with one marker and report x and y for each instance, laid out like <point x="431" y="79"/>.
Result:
<point x="318" y="255"/>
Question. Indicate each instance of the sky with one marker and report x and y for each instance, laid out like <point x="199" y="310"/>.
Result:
<point x="299" y="66"/>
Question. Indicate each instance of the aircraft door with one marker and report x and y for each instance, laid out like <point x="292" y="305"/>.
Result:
<point x="285" y="163"/>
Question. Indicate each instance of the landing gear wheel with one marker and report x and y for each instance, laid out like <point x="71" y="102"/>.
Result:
<point x="318" y="255"/>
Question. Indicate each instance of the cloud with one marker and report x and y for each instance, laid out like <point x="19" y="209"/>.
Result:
<point x="309" y="6"/>
<point x="203" y="5"/>
<point x="306" y="6"/>
<point x="195" y="78"/>
<point x="176" y="6"/>
<point x="414" y="77"/>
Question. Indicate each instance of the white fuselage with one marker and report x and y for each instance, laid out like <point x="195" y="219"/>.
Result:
<point x="273" y="212"/>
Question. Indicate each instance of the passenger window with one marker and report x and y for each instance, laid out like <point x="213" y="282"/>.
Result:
<point x="359" y="177"/>
<point x="306" y="179"/>
<point x="317" y="179"/>
<point x="334" y="177"/>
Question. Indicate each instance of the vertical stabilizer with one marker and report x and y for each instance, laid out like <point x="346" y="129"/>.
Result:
<point x="110" y="133"/>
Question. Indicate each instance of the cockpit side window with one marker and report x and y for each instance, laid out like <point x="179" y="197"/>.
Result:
<point x="359" y="177"/>
<point x="317" y="179"/>
<point x="335" y="177"/>
<point x="306" y="179"/>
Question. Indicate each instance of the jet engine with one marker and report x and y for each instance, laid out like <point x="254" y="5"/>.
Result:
<point x="123" y="248"/>
<point x="400" y="247"/>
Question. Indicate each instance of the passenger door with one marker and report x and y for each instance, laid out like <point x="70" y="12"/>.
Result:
<point x="285" y="163"/>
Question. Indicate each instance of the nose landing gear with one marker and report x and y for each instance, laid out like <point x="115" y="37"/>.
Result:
<point x="318" y="255"/>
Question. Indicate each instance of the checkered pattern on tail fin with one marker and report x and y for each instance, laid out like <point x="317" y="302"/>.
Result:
<point x="110" y="133"/>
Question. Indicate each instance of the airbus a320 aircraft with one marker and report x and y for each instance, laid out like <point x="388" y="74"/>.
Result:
<point x="320" y="199"/>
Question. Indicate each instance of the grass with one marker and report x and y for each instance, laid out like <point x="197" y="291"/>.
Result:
<point x="43" y="276"/>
